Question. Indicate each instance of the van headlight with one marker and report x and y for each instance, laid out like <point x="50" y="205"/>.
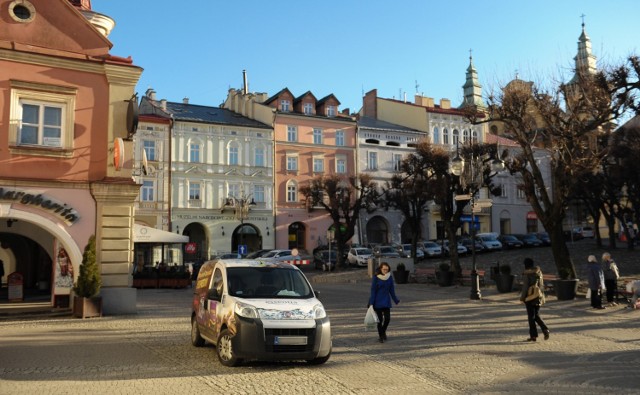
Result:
<point x="245" y="310"/>
<point x="319" y="312"/>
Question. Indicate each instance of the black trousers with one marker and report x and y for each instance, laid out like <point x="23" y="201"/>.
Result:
<point x="533" y="316"/>
<point x="384" y="315"/>
<point x="596" y="298"/>
<point x="612" y="287"/>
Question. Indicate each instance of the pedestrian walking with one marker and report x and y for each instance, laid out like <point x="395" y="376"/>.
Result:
<point x="611" y="275"/>
<point x="532" y="296"/>
<point x="382" y="292"/>
<point x="596" y="282"/>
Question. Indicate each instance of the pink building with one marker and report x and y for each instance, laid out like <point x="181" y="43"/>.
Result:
<point x="311" y="138"/>
<point x="67" y="113"/>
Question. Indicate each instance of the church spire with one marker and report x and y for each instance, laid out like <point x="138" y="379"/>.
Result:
<point x="585" y="61"/>
<point x="472" y="88"/>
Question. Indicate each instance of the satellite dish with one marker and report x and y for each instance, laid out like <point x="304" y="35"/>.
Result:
<point x="118" y="153"/>
<point x="132" y="115"/>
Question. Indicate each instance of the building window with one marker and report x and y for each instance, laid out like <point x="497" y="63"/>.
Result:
<point x="445" y="136"/>
<point x="339" y="138"/>
<point x="474" y="136"/>
<point x="372" y="161"/>
<point x="503" y="191"/>
<point x="147" y="191"/>
<point x="465" y="136"/>
<point x="234" y="190"/>
<point x="520" y="194"/>
<point x="397" y="161"/>
<point x="194" y="191"/>
<point x="292" y="133"/>
<point x="317" y="136"/>
<point x="233" y="154"/>
<point x="292" y="163"/>
<point x="258" y="193"/>
<point x="341" y="166"/>
<point x="149" y="147"/>
<point x="456" y="137"/>
<point x="42" y="119"/>
<point x="194" y="153"/>
<point x="318" y="165"/>
<point x="292" y="191"/>
<point x="285" y="105"/>
<point x="331" y="111"/>
<point x="308" y="109"/>
<point x="259" y="157"/>
<point x="436" y="135"/>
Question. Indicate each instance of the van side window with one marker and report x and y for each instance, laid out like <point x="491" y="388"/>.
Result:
<point x="217" y="282"/>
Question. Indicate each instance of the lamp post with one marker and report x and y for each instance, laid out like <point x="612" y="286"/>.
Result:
<point x="241" y="206"/>
<point x="458" y="169"/>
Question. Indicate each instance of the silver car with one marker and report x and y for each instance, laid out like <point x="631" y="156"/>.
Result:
<point x="359" y="256"/>
<point x="431" y="249"/>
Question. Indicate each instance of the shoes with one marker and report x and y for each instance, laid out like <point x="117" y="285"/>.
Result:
<point x="600" y="307"/>
<point x="531" y="339"/>
<point x="546" y="335"/>
<point x="384" y="337"/>
<point x="381" y="340"/>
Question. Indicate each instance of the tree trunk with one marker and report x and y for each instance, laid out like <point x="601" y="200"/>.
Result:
<point x="560" y="251"/>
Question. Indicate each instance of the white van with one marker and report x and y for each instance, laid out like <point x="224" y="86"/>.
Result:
<point x="257" y="310"/>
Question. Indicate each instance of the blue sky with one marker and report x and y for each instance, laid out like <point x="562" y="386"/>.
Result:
<point x="198" y="48"/>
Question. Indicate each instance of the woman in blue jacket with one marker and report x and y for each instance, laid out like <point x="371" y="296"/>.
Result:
<point x="382" y="291"/>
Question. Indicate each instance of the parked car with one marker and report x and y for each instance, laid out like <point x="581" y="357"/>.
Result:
<point x="510" y="242"/>
<point x="587" y="232"/>
<point x="387" y="252"/>
<point x="359" y="256"/>
<point x="530" y="240"/>
<point x="406" y="252"/>
<point x="489" y="241"/>
<point x="544" y="237"/>
<point x="286" y="255"/>
<point x="466" y="242"/>
<point x="249" y="310"/>
<point x="462" y="250"/>
<point x="431" y="249"/>
<point x="325" y="260"/>
<point x="256" y="254"/>
<point x="229" y="255"/>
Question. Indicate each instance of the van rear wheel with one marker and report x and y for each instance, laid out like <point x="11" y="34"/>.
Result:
<point x="196" y="339"/>
<point x="224" y="347"/>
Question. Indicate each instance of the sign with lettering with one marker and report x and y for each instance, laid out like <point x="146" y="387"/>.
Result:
<point x="15" y="283"/>
<point x="190" y="248"/>
<point x="39" y="200"/>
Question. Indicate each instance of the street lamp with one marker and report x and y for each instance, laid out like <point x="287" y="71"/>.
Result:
<point x="457" y="169"/>
<point x="241" y="207"/>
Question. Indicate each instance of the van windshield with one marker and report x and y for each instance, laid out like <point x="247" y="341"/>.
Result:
<point x="267" y="282"/>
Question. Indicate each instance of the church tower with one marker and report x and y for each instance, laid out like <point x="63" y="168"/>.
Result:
<point x="585" y="61"/>
<point x="472" y="88"/>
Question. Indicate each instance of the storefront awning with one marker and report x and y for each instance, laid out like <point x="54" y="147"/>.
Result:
<point x="145" y="234"/>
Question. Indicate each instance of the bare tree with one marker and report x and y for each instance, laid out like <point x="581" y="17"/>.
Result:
<point x="565" y="121"/>
<point x="341" y="197"/>
<point x="415" y="185"/>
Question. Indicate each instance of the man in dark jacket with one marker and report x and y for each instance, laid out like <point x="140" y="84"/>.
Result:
<point x="596" y="282"/>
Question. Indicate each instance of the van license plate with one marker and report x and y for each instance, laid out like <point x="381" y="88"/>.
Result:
<point x="290" y="340"/>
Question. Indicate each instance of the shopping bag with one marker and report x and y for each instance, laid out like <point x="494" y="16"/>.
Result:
<point x="370" y="319"/>
<point x="588" y="293"/>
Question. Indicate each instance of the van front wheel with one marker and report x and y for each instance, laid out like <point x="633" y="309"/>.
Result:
<point x="225" y="349"/>
<point x="319" y="361"/>
<point x="196" y="339"/>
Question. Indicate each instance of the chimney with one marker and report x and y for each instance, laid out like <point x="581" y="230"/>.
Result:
<point x="245" y="86"/>
<point x="185" y="100"/>
<point x="445" y="104"/>
<point x="163" y="104"/>
<point x="151" y="94"/>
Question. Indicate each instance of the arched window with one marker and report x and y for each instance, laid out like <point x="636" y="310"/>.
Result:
<point x="436" y="135"/>
<point x="445" y="136"/>
<point x="465" y="136"/>
<point x="474" y="136"/>
<point x="292" y="191"/>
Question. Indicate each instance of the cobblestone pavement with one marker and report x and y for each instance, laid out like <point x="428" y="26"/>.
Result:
<point x="440" y="342"/>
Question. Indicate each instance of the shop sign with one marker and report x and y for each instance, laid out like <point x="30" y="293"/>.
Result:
<point x="532" y="215"/>
<point x="15" y="283"/>
<point x="41" y="201"/>
<point x="190" y="248"/>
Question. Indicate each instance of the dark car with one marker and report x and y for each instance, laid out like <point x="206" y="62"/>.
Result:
<point x="510" y="242"/>
<point x="325" y="260"/>
<point x="544" y="237"/>
<point x="530" y="240"/>
<point x="469" y="244"/>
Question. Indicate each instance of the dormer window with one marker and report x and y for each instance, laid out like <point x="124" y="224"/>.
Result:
<point x="331" y="111"/>
<point x="285" y="105"/>
<point x="308" y="108"/>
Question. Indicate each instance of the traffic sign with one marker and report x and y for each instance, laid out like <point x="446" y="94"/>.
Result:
<point x="242" y="249"/>
<point x="463" y="197"/>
